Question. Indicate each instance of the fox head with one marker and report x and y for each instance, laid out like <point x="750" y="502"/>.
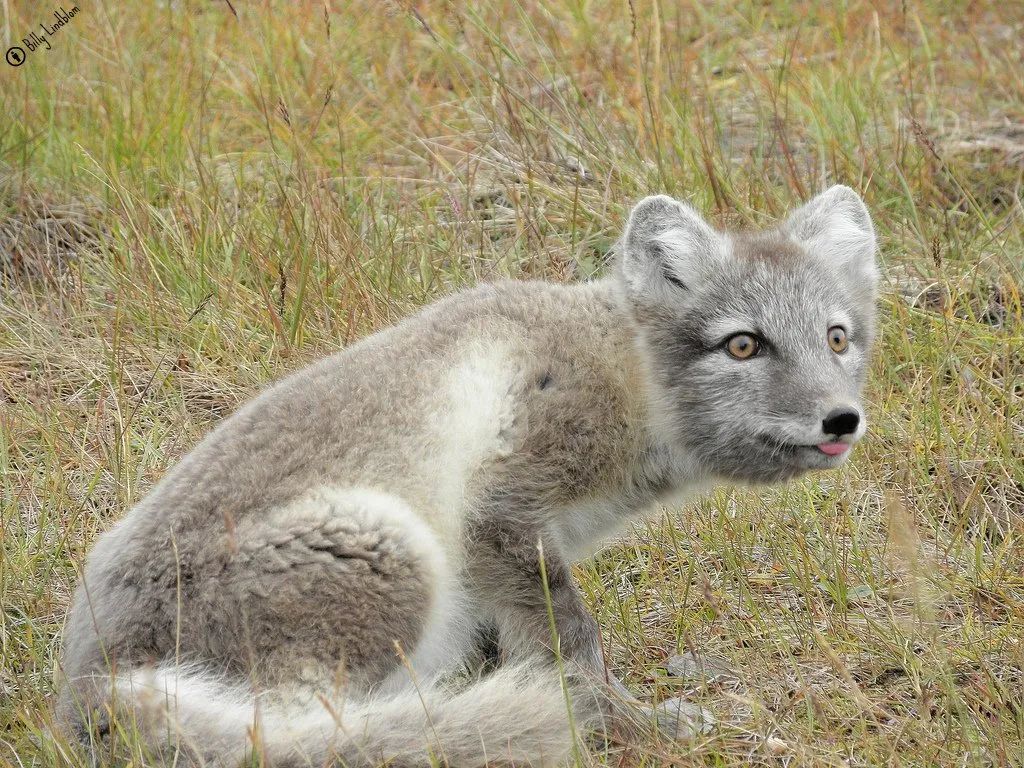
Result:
<point x="758" y="343"/>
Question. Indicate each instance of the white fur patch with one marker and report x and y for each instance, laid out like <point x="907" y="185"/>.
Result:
<point x="189" y="705"/>
<point x="585" y="527"/>
<point x="473" y="425"/>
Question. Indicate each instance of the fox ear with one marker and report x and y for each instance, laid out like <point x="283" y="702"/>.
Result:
<point x="836" y="226"/>
<point x="667" y="248"/>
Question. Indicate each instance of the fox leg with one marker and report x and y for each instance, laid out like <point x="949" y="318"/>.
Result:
<point x="505" y="574"/>
<point x="340" y="581"/>
<point x="509" y="563"/>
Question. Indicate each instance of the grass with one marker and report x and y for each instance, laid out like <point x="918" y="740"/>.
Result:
<point x="199" y="196"/>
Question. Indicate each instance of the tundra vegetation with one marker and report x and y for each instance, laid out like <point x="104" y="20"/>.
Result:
<point x="199" y="196"/>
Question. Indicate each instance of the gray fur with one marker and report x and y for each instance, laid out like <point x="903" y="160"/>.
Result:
<point x="373" y="512"/>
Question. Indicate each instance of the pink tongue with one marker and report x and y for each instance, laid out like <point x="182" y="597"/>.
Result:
<point x="832" y="449"/>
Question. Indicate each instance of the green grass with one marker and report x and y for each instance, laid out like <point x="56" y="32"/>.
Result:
<point x="195" y="202"/>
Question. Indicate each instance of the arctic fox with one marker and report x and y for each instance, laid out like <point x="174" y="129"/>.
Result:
<point x="299" y="583"/>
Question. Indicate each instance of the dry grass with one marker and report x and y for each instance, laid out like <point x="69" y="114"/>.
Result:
<point x="194" y="202"/>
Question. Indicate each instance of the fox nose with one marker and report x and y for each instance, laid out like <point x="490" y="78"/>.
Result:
<point x="840" y="421"/>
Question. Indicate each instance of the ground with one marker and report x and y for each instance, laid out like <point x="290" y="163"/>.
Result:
<point x="200" y="196"/>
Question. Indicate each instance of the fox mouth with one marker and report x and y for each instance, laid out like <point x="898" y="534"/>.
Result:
<point x="830" y="448"/>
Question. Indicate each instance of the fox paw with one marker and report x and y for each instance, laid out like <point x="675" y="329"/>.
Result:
<point x="680" y="719"/>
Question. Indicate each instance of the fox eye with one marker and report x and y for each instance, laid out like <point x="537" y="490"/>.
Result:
<point x="837" y="339"/>
<point x="742" y="346"/>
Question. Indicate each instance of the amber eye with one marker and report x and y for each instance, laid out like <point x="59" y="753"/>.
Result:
<point x="837" y="339"/>
<point x="742" y="346"/>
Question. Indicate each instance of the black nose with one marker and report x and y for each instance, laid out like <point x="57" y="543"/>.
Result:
<point x="841" y="421"/>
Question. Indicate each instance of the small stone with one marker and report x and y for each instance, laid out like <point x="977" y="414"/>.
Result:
<point x="680" y="719"/>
